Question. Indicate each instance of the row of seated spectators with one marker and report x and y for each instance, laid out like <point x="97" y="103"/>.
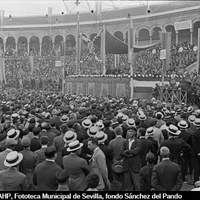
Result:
<point x="147" y="62"/>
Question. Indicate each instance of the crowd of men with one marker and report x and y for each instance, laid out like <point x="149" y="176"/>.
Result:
<point x="65" y="142"/>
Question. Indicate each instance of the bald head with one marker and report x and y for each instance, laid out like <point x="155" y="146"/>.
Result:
<point x="164" y="152"/>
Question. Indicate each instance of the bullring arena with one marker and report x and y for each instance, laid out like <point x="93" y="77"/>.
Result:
<point x="72" y="73"/>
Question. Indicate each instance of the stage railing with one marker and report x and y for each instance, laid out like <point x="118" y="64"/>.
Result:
<point x="176" y="96"/>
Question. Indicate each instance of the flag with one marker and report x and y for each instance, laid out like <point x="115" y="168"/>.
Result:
<point x="31" y="63"/>
<point x="1" y="19"/>
<point x="131" y="41"/>
<point x="103" y="49"/>
<point x="198" y="56"/>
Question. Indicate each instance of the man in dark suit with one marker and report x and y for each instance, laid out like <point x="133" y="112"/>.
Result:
<point x="102" y="137"/>
<point x="117" y="147"/>
<point x="59" y="144"/>
<point x="44" y="140"/>
<point x="35" y="141"/>
<point x="76" y="166"/>
<point x="176" y="145"/>
<point x="28" y="162"/>
<point x="166" y="175"/>
<point x="44" y="176"/>
<point x="11" y="179"/>
<point x="132" y="162"/>
<point x="147" y="146"/>
<point x="146" y="173"/>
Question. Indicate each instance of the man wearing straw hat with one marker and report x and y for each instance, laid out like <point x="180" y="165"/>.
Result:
<point x="11" y="179"/>
<point x="176" y="145"/>
<point x="76" y="166"/>
<point x="187" y="137"/>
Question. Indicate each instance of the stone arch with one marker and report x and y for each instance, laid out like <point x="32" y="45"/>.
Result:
<point x="170" y="28"/>
<point x="70" y="40"/>
<point x="22" y="45"/>
<point x="84" y="45"/>
<point x="155" y="33"/>
<point x="143" y="36"/>
<point x="58" y="40"/>
<point x="10" y="46"/>
<point x="119" y="35"/>
<point x="47" y="45"/>
<point x="196" y="26"/>
<point x="34" y="45"/>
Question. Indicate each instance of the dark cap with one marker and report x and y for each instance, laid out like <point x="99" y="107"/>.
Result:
<point x="44" y="140"/>
<point x="50" y="152"/>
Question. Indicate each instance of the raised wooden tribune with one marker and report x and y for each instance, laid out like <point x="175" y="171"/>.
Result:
<point x="175" y="96"/>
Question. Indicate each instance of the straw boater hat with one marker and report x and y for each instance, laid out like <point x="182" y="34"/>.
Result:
<point x="99" y="125"/>
<point x="142" y="117"/>
<point x="183" y="124"/>
<point x="49" y="107"/>
<point x="75" y="145"/>
<point x="197" y="122"/>
<point x="159" y="115"/>
<point x="124" y="117"/>
<point x="101" y="136"/>
<point x="131" y="122"/>
<point x="69" y="136"/>
<point x="64" y="118"/>
<point x="191" y="118"/>
<point x="92" y="131"/>
<point x="173" y="130"/>
<point x="86" y="123"/>
<point x="150" y="131"/>
<point x="13" y="159"/>
<point x="190" y="109"/>
<point x="13" y="133"/>
<point x="15" y="116"/>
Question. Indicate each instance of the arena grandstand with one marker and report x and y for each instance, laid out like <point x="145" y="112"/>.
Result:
<point x="31" y="44"/>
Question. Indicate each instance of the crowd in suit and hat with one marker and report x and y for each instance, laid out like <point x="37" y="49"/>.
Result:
<point x="104" y="137"/>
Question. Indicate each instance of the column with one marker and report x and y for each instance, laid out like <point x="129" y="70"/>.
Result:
<point x="16" y="48"/>
<point x="40" y="49"/>
<point x="176" y="37"/>
<point x="150" y="39"/>
<point x="4" y="47"/>
<point x="137" y="38"/>
<point x="191" y="35"/>
<point x="124" y="37"/>
<point x="28" y="49"/>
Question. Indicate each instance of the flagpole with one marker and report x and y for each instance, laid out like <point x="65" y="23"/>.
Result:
<point x="63" y="50"/>
<point x="130" y="54"/>
<point x="78" y="46"/>
<point x="103" y="50"/>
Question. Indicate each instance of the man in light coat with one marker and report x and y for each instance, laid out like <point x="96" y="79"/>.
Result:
<point x="98" y="164"/>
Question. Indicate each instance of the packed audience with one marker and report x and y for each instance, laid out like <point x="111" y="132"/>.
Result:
<point x="147" y="62"/>
<point x="65" y="142"/>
